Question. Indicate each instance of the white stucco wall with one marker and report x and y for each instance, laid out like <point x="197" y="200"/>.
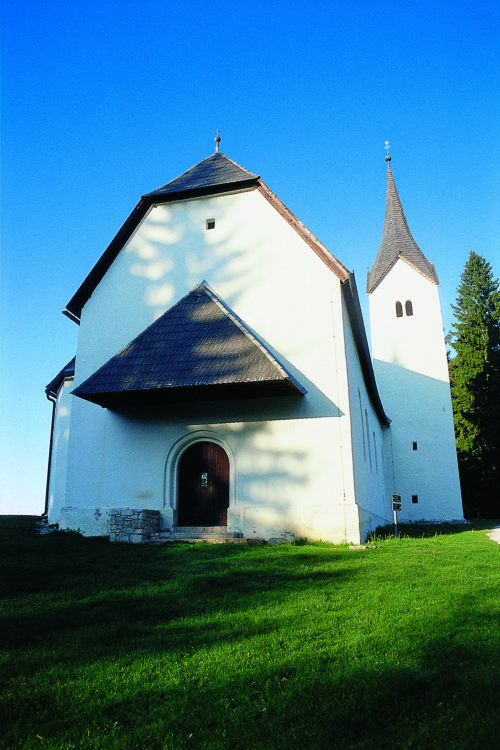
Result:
<point x="289" y="456"/>
<point x="368" y="442"/>
<point x="59" y="452"/>
<point x="412" y="373"/>
<point x="253" y="259"/>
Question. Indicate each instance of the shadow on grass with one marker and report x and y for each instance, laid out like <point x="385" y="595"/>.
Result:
<point x="177" y="647"/>
<point x="104" y="596"/>
<point x="309" y="699"/>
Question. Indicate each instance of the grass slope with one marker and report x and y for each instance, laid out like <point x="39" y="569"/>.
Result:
<point x="201" y="646"/>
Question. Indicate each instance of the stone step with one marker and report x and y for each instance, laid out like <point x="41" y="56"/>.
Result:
<point x="213" y="534"/>
<point x="196" y="530"/>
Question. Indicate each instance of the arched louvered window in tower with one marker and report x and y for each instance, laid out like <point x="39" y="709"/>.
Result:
<point x="399" y="310"/>
<point x="408" y="307"/>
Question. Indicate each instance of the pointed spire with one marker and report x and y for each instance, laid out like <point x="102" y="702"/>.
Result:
<point x="397" y="240"/>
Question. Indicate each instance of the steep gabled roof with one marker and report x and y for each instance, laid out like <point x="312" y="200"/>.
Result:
<point x="216" y="171"/>
<point x="214" y="175"/>
<point x="197" y="350"/>
<point x="397" y="242"/>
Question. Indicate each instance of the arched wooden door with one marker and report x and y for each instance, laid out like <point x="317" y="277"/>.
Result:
<point x="203" y="485"/>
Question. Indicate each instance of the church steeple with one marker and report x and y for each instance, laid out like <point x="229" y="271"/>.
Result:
<point x="397" y="241"/>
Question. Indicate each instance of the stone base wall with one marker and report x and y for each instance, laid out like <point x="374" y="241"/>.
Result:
<point x="127" y="525"/>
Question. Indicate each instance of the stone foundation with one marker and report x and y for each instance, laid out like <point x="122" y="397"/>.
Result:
<point x="127" y="525"/>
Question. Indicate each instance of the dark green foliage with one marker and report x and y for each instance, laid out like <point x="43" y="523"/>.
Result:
<point x="475" y="387"/>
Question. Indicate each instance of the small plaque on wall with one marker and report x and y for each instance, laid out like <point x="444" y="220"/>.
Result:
<point x="396" y="502"/>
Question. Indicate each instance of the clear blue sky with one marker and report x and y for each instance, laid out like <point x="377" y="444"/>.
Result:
<point x="104" y="101"/>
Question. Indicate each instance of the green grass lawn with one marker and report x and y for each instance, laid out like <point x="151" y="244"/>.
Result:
<point x="221" y="646"/>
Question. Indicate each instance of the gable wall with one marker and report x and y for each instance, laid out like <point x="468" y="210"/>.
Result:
<point x="289" y="470"/>
<point x="253" y="259"/>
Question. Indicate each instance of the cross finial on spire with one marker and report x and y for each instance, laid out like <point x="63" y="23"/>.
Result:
<point x="387" y="155"/>
<point x="217" y="140"/>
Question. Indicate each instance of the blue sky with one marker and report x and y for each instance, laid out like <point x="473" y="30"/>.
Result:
<point x="102" y="102"/>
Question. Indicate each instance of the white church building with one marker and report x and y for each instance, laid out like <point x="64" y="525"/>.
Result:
<point x="223" y="377"/>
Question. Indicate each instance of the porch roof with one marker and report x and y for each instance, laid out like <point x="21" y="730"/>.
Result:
<point x="197" y="350"/>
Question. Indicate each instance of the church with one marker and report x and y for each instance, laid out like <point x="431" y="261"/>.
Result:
<point x="223" y="381"/>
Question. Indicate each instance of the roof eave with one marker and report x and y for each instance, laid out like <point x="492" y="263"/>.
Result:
<point x="84" y="292"/>
<point x="316" y="245"/>
<point x="372" y="285"/>
<point x="351" y="298"/>
<point x="432" y="277"/>
<point x="67" y="373"/>
<point x="191" y="394"/>
<point x="159" y="196"/>
<point x="75" y="306"/>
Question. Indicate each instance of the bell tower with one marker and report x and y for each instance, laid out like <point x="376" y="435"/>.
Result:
<point x="410" y="363"/>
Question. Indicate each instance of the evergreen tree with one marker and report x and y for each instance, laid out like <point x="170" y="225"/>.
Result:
<point x="475" y="387"/>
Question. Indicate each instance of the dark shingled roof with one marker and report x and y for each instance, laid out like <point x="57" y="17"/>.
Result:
<point x="217" y="170"/>
<point x="214" y="175"/>
<point x="68" y="371"/>
<point x="197" y="350"/>
<point x="397" y="242"/>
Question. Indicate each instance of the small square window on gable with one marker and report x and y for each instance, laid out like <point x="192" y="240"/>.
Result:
<point x="414" y="498"/>
<point x="415" y="446"/>
<point x="210" y="224"/>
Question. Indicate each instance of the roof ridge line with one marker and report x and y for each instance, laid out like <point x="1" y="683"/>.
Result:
<point x="243" y="327"/>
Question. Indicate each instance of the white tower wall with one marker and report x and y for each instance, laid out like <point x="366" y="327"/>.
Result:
<point x="412" y="374"/>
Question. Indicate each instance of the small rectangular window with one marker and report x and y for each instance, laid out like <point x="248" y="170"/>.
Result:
<point x="210" y="224"/>
<point x="414" y="498"/>
<point x="415" y="445"/>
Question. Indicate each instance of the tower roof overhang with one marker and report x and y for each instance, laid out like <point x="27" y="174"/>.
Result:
<point x="397" y="242"/>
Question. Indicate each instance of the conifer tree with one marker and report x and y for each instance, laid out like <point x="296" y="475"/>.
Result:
<point x="475" y="387"/>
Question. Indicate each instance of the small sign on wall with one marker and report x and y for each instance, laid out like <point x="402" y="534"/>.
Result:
<point x="396" y="507"/>
<point x="396" y="502"/>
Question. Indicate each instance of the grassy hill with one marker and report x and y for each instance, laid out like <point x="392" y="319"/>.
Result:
<point x="220" y="646"/>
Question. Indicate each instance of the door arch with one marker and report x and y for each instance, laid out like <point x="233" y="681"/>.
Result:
<point x="203" y="485"/>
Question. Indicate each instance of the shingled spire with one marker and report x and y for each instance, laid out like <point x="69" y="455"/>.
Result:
<point x="397" y="242"/>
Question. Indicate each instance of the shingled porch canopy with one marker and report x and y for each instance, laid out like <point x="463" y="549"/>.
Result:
<point x="198" y="350"/>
